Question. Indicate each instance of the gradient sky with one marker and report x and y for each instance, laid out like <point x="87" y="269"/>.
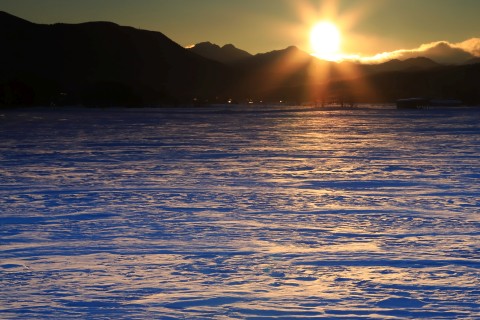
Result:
<point x="369" y="26"/>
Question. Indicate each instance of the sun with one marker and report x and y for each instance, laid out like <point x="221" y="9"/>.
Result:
<point x="325" y="39"/>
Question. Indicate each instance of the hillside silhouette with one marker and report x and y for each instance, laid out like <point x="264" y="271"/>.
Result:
<point x="104" y="64"/>
<point x="441" y="52"/>
<point x="295" y="76"/>
<point x="99" y="63"/>
<point x="227" y="54"/>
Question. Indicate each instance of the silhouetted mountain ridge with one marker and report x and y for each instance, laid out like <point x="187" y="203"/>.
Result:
<point x="102" y="63"/>
<point x="226" y="54"/>
<point x="411" y="64"/>
<point x="293" y="75"/>
<point x="89" y="59"/>
<point x="443" y="53"/>
<point x="9" y="20"/>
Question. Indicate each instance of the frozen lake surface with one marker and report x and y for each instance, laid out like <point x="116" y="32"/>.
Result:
<point x="217" y="214"/>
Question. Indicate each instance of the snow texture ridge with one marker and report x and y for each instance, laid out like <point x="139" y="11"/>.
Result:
<point x="209" y="214"/>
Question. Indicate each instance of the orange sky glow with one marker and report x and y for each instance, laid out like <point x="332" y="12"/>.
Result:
<point x="370" y="30"/>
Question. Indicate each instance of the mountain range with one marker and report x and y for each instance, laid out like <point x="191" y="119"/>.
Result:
<point x="103" y="64"/>
<point x="99" y="63"/>
<point x="227" y="54"/>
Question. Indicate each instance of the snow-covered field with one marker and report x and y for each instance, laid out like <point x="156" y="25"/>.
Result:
<point x="219" y="214"/>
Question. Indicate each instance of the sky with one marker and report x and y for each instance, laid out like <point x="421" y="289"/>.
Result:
<point x="367" y="27"/>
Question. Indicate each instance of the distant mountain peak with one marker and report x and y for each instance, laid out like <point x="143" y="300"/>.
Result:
<point x="205" y="44"/>
<point x="394" y="61"/>
<point x="94" y="24"/>
<point x="421" y="58"/>
<point x="9" y="19"/>
<point x="226" y="54"/>
<point x="421" y="61"/>
<point x="444" y="53"/>
<point x="292" y="48"/>
<point x="291" y="52"/>
<point x="101" y="23"/>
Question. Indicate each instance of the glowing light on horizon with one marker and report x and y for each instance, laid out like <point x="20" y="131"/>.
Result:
<point x="344" y="20"/>
<point x="325" y="40"/>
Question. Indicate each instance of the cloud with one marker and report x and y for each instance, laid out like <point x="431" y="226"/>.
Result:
<point x="470" y="45"/>
<point x="440" y="51"/>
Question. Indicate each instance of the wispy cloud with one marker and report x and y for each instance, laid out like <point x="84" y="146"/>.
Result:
<point x="440" y="51"/>
<point x="470" y="45"/>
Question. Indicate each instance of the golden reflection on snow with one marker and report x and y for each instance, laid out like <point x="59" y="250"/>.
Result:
<point x="207" y="215"/>
<point x="272" y="248"/>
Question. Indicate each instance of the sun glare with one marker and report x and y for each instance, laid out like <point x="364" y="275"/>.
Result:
<point x="325" y="40"/>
